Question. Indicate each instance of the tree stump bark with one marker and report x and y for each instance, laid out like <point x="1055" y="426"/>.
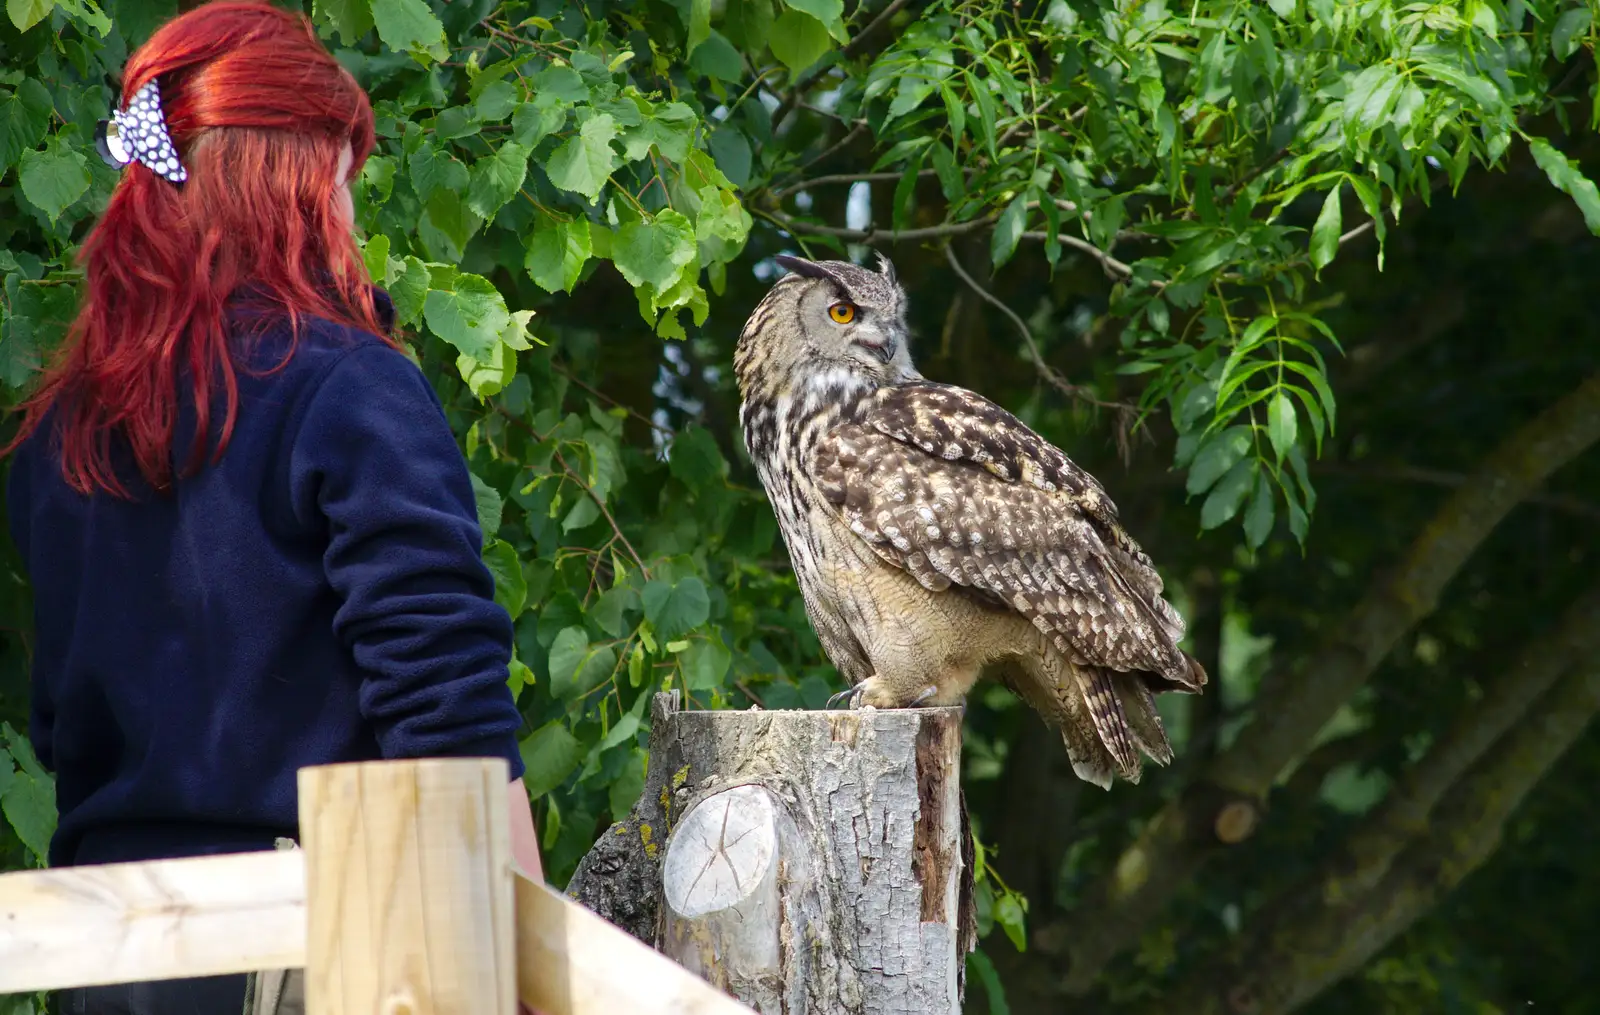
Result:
<point x="806" y="862"/>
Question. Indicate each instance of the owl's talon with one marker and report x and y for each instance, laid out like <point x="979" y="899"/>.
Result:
<point x="849" y="692"/>
<point x="927" y="692"/>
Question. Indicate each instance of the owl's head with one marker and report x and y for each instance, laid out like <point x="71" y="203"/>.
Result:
<point x="828" y="323"/>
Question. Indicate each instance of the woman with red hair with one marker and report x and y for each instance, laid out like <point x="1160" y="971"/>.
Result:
<point x="251" y="534"/>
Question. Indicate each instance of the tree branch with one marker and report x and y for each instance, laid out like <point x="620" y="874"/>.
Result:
<point x="831" y="178"/>
<point x="1439" y="477"/>
<point x="1406" y="810"/>
<point x="872" y="235"/>
<point x="1125" y="412"/>
<point x="1323" y="943"/>
<point x="1112" y="266"/>
<point x="1288" y="713"/>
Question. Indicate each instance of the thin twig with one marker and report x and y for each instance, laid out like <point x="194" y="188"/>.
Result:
<point x="635" y="413"/>
<point x="822" y="181"/>
<point x="874" y="235"/>
<point x="828" y="152"/>
<point x="1123" y="410"/>
<point x="849" y="50"/>
<point x="577" y="478"/>
<point x="1112" y="266"/>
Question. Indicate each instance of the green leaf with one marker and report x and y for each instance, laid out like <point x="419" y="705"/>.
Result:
<point x="497" y="178"/>
<point x="1227" y="495"/>
<point x="717" y="58"/>
<point x="585" y="161"/>
<point x="409" y="290"/>
<point x="136" y="19"/>
<point x="351" y="19"/>
<point x="629" y="784"/>
<point x="1008" y="914"/>
<point x="732" y="154"/>
<point x="54" y="178"/>
<point x="704" y="663"/>
<point x="1283" y="8"/>
<point x="408" y="26"/>
<point x="1282" y="427"/>
<point x="1258" y="517"/>
<point x="1568" y="179"/>
<point x="608" y="610"/>
<point x="488" y="378"/>
<point x="470" y="315"/>
<point x="696" y="460"/>
<point x="567" y="653"/>
<point x="1568" y="34"/>
<point x="912" y="89"/>
<point x="980" y="968"/>
<point x="696" y="16"/>
<point x="798" y="40"/>
<point x="433" y="169"/>
<point x="577" y="667"/>
<point x="951" y="179"/>
<point x="455" y="122"/>
<point x="625" y="729"/>
<point x="24" y="118"/>
<point x="446" y="226"/>
<point x="1216" y="456"/>
<point x="535" y="121"/>
<point x="674" y="610"/>
<point x="1008" y="231"/>
<point x="584" y="512"/>
<point x="667" y="128"/>
<point x="654" y="251"/>
<point x="1325" y="234"/>
<point x="510" y="584"/>
<point x="830" y="13"/>
<point x="27" y="13"/>
<point x="748" y="23"/>
<point x="39" y="318"/>
<point x="557" y="253"/>
<point x="549" y="755"/>
<point x="491" y="505"/>
<point x="497" y="101"/>
<point x="30" y="805"/>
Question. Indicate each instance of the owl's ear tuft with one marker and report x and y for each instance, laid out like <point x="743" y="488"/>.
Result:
<point x="886" y="266"/>
<point x="801" y="266"/>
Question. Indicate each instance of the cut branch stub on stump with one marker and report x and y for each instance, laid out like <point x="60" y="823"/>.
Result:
<point x="806" y="862"/>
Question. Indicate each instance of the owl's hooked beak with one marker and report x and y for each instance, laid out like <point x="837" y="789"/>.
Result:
<point x="882" y="350"/>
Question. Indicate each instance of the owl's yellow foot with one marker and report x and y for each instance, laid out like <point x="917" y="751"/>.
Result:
<point x="874" y="692"/>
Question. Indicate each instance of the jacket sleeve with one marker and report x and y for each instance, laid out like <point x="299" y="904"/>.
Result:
<point x="19" y="507"/>
<point x="374" y="458"/>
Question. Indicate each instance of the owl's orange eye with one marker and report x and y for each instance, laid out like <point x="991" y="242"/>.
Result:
<point x="842" y="313"/>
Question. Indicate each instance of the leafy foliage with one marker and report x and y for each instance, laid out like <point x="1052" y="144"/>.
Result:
<point x="572" y="207"/>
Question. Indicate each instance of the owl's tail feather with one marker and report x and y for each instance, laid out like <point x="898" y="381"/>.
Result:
<point x="1110" y="725"/>
<point x="1144" y="719"/>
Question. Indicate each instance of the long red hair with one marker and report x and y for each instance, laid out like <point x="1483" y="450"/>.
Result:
<point x="260" y="114"/>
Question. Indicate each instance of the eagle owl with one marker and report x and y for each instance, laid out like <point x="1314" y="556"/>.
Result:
<point x="936" y="538"/>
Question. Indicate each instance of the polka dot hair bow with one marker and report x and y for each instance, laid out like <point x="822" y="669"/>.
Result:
<point x="138" y="133"/>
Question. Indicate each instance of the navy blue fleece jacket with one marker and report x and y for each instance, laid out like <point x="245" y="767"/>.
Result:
<point x="316" y="596"/>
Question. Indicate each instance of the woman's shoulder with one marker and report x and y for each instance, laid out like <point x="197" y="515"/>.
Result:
<point x="306" y="347"/>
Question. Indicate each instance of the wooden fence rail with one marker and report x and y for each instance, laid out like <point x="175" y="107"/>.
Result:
<point x="404" y="898"/>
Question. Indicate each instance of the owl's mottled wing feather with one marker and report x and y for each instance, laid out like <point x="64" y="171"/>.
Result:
<point x="955" y="490"/>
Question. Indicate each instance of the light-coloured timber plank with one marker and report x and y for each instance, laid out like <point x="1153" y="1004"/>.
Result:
<point x="571" y="962"/>
<point x="408" y="875"/>
<point x="128" y="922"/>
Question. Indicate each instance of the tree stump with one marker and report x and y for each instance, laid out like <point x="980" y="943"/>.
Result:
<point x="806" y="862"/>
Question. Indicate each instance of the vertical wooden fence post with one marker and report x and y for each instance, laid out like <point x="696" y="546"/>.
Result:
<point x="409" y="888"/>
